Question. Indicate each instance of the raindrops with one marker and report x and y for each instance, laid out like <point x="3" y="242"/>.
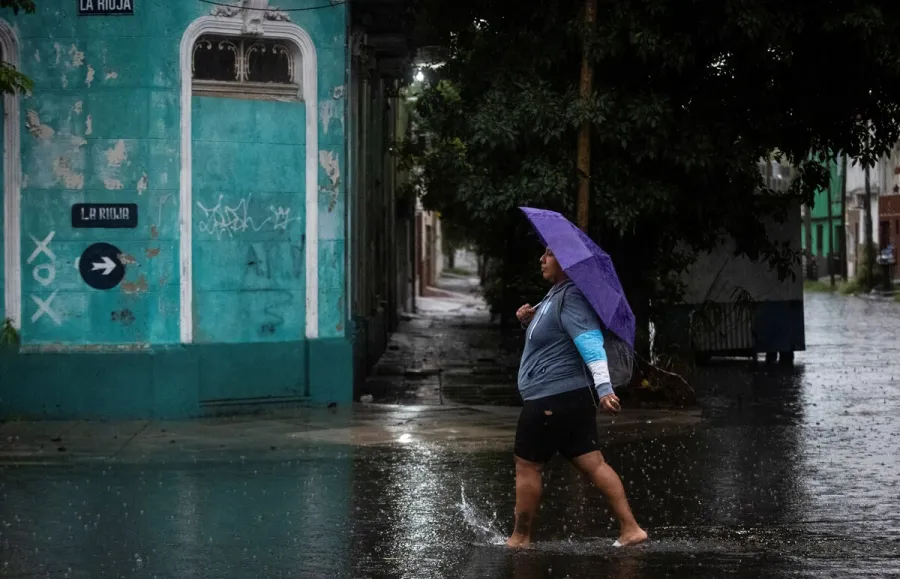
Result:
<point x="799" y="480"/>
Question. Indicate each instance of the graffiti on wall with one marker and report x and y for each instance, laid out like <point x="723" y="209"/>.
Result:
<point x="44" y="273"/>
<point x="226" y="220"/>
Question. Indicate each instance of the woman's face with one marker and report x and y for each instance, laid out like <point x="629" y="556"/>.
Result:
<point x="550" y="268"/>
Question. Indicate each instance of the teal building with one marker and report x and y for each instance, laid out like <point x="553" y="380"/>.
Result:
<point x="825" y="230"/>
<point x="177" y="195"/>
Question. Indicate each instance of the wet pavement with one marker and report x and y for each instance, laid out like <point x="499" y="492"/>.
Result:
<point x="450" y="351"/>
<point x="795" y="473"/>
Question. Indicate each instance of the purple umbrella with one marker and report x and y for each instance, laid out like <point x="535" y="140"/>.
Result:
<point x="589" y="267"/>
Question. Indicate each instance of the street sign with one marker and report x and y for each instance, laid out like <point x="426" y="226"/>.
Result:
<point x="100" y="267"/>
<point x="105" y="7"/>
<point x="105" y="215"/>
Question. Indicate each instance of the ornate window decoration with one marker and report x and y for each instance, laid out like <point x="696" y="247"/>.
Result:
<point x="246" y="67"/>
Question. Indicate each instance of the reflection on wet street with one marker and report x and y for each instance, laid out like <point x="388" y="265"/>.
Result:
<point x="795" y="474"/>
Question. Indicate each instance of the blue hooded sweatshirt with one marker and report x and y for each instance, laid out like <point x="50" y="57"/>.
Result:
<point x="564" y="352"/>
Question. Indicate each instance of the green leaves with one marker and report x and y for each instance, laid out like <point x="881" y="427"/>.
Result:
<point x="26" y="6"/>
<point x="688" y="98"/>
<point x="12" y="81"/>
<point x="9" y="335"/>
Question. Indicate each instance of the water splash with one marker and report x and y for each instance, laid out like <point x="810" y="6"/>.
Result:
<point x="485" y="528"/>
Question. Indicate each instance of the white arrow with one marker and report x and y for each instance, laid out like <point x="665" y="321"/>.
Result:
<point x="107" y="266"/>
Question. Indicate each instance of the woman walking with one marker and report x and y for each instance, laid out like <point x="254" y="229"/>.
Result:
<point x="563" y="336"/>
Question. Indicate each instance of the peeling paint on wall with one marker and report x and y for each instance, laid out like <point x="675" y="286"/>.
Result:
<point x="142" y="184"/>
<point x="326" y="111"/>
<point x="38" y="130"/>
<point x="58" y="49"/>
<point x="77" y="57"/>
<point x="89" y="125"/>
<point x="111" y="75"/>
<point x="62" y="170"/>
<point x="37" y="55"/>
<point x="89" y="78"/>
<point x="79" y="141"/>
<point x="328" y="162"/>
<point x="117" y="155"/>
<point x="113" y="184"/>
<point x="127" y="259"/>
<point x="78" y="107"/>
<point x="110" y="173"/>
<point x="140" y="286"/>
<point x="151" y="252"/>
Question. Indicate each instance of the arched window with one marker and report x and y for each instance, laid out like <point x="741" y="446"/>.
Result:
<point x="246" y="67"/>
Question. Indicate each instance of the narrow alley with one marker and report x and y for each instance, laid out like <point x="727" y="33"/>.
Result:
<point x="449" y="352"/>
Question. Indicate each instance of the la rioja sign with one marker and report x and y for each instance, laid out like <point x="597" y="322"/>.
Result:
<point x="105" y="7"/>
<point x="105" y="215"/>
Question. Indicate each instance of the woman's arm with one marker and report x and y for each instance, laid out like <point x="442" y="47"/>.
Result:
<point x="584" y="327"/>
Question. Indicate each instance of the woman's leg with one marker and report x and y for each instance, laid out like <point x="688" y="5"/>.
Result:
<point x="605" y="478"/>
<point x="535" y="445"/>
<point x="528" y="499"/>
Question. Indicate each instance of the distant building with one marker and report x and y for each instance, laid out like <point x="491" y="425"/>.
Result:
<point x="884" y="187"/>
<point x="826" y="236"/>
<point x="429" y="249"/>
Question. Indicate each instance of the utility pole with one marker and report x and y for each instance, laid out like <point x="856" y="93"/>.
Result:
<point x="843" y="229"/>
<point x="830" y="235"/>
<point x="807" y="230"/>
<point x="583" y="161"/>
<point x="870" y="250"/>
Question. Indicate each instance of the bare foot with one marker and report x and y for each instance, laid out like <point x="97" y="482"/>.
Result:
<point x="631" y="538"/>
<point x="518" y="542"/>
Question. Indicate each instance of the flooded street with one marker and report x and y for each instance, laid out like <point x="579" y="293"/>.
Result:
<point x="796" y="473"/>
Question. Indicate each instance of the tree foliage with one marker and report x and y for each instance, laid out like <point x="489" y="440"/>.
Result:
<point x="11" y="80"/>
<point x="26" y="6"/>
<point x="689" y="96"/>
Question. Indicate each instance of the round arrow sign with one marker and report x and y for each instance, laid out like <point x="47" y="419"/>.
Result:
<point x="100" y="267"/>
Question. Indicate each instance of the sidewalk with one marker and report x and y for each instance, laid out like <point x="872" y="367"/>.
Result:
<point x="297" y="433"/>
<point x="448" y="352"/>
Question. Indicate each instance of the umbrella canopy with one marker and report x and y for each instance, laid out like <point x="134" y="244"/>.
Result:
<point x="589" y="267"/>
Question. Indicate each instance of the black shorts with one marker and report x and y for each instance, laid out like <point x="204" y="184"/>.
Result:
<point x="564" y="423"/>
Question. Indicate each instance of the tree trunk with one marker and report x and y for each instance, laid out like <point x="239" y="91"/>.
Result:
<point x="584" y="131"/>
<point x="843" y="230"/>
